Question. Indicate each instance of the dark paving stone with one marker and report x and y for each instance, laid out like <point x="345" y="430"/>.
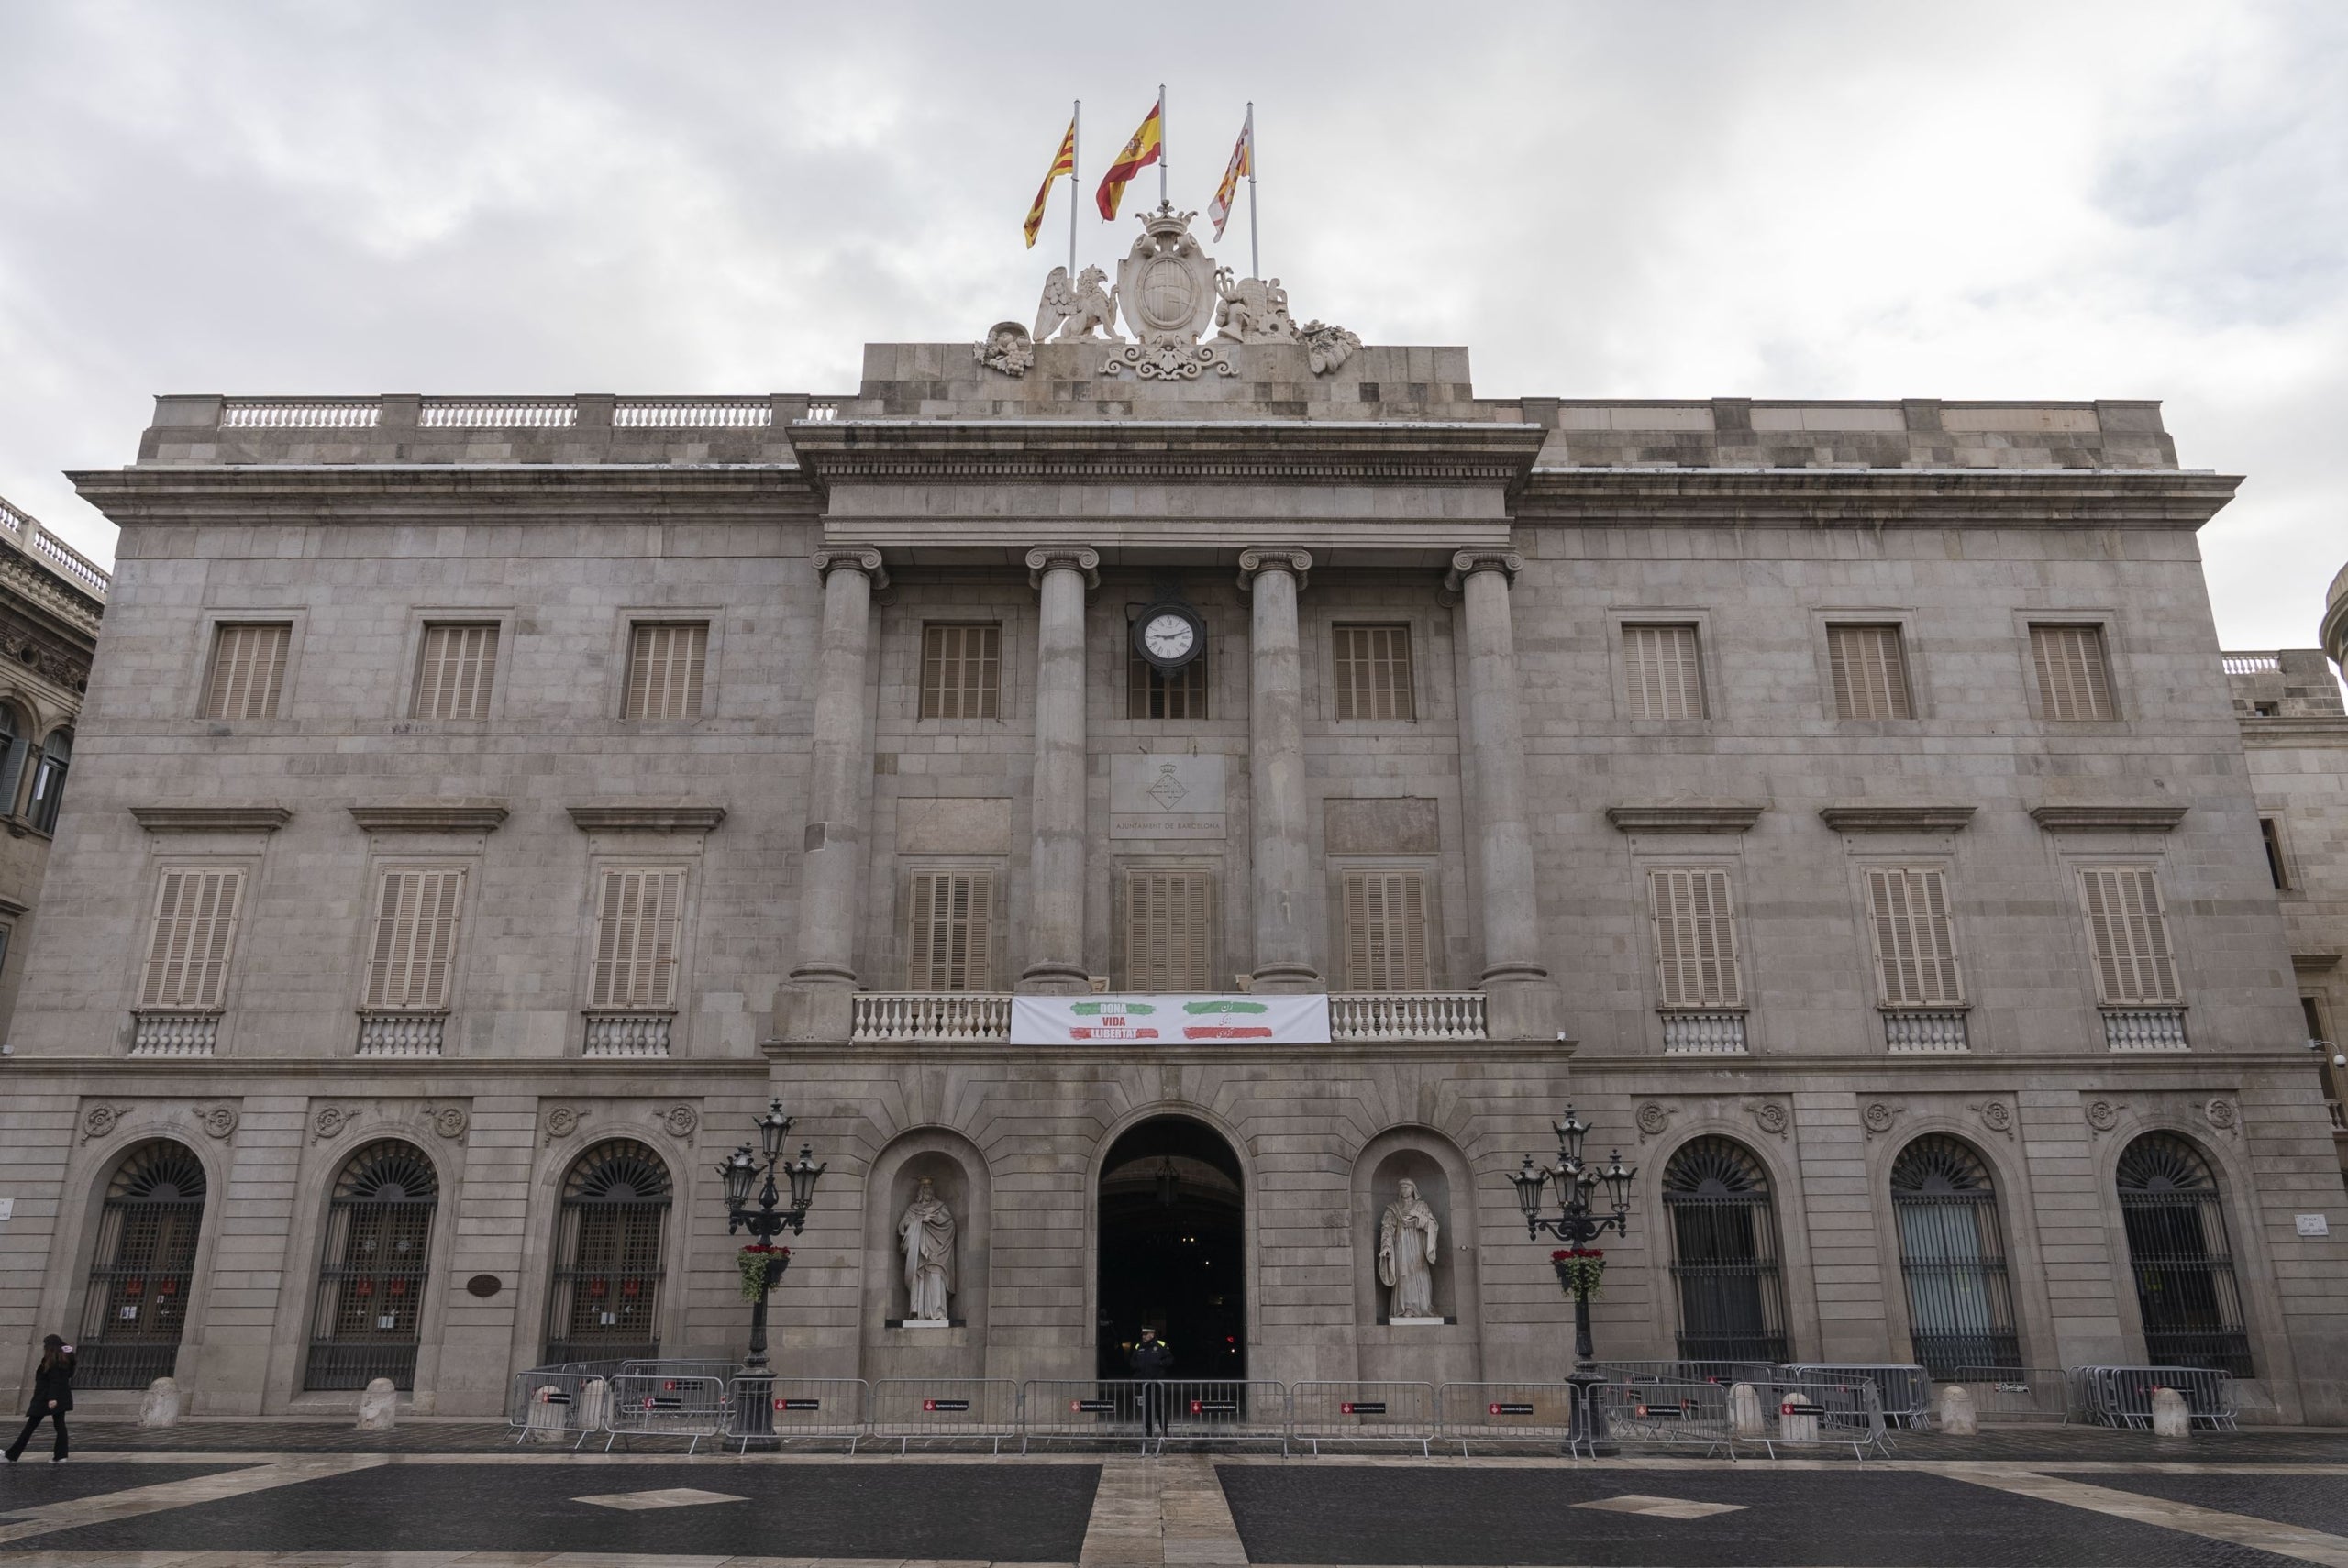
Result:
<point x="2316" y="1502"/>
<point x="1791" y="1518"/>
<point x="311" y="1437"/>
<point x="2256" y="1445"/>
<point x="999" y="1512"/>
<point x="30" y="1483"/>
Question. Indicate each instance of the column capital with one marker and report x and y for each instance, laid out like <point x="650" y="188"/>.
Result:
<point x="1296" y="562"/>
<point x="864" y="558"/>
<point x="1063" y="558"/>
<point x="1467" y="563"/>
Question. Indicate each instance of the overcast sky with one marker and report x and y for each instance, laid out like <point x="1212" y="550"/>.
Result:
<point x="1646" y="200"/>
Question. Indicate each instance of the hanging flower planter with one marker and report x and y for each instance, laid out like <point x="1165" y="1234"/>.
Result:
<point x="759" y="1264"/>
<point x="1579" y="1269"/>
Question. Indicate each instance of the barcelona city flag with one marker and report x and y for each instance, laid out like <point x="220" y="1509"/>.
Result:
<point x="1063" y="162"/>
<point x="1139" y="154"/>
<point x="1242" y="166"/>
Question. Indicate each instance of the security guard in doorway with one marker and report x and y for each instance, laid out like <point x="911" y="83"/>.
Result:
<point x="1150" y="1360"/>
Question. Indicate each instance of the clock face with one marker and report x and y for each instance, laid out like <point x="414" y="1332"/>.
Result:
<point x="1167" y="635"/>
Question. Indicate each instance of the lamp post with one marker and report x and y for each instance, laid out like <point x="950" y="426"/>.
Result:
<point x="740" y="1171"/>
<point x="1577" y="1223"/>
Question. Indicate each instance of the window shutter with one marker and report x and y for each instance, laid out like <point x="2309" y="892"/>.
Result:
<point x="961" y="671"/>
<point x="1386" y="930"/>
<point x="950" y="938"/>
<point x="1870" y="672"/>
<point x="415" y="950"/>
<point x="1155" y="693"/>
<point x="666" y="664"/>
<point x="1372" y="670"/>
<point x="454" y="674"/>
<point x="1665" y="672"/>
<point x="1914" y="939"/>
<point x="1695" y="938"/>
<point x="195" y="931"/>
<point x="1170" y="930"/>
<point x="2073" y="672"/>
<point x="638" y="916"/>
<point x="2128" y="931"/>
<point x="248" y="671"/>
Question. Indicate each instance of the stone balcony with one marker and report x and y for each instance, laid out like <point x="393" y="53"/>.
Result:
<point x="984" y="1017"/>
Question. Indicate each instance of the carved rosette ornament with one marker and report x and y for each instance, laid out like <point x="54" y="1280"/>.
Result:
<point x="1007" y="349"/>
<point x="1770" y="1117"/>
<point x="561" y="1123"/>
<point x="681" y="1121"/>
<point x="99" y="1121"/>
<point x="2102" y="1115"/>
<point x="2221" y="1114"/>
<point x="1996" y="1115"/>
<point x="329" y="1120"/>
<point x="220" y="1122"/>
<point x="450" y="1122"/>
<point x="1655" y="1119"/>
<point x="1878" y="1118"/>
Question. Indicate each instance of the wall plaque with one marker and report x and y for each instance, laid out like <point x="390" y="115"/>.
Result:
<point x="1164" y="795"/>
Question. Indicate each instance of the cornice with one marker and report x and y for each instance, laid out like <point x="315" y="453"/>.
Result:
<point x="430" y="816"/>
<point x="1875" y="498"/>
<point x="2323" y="732"/>
<point x="212" y="819"/>
<point x="632" y="494"/>
<point x="646" y="816"/>
<point x="1691" y="817"/>
<point x="2314" y="963"/>
<point x="1873" y="817"/>
<point x="2107" y="818"/>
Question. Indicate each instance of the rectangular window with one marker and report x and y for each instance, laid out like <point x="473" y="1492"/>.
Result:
<point x="248" y="669"/>
<point x="638" y="914"/>
<point x="1155" y="693"/>
<point x="1386" y="930"/>
<point x="2074" y="675"/>
<point x="2128" y="931"/>
<point x="2270" y="835"/>
<point x="949" y="936"/>
<point x="1915" y="943"/>
<point x="1170" y="930"/>
<point x="414" y="955"/>
<point x="1695" y="938"/>
<point x="454" y="674"/>
<point x="194" y="931"/>
<point x="1665" y="672"/>
<point x="2312" y="1008"/>
<point x="961" y="671"/>
<point x="666" y="663"/>
<point x="1373" y="672"/>
<point x="1870" y="672"/>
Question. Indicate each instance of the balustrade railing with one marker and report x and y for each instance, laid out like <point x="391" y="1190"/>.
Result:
<point x="2251" y="663"/>
<point x="466" y="414"/>
<point x="629" y="1033"/>
<point x="71" y="561"/>
<point x="173" y="1034"/>
<point x="1704" y="1033"/>
<point x="274" y="415"/>
<point x="681" y="414"/>
<point x="967" y="1016"/>
<point x="2144" y="1028"/>
<point x="401" y="1034"/>
<point x="1406" y="1015"/>
<point x="2339" y="1115"/>
<point x="1909" y="1030"/>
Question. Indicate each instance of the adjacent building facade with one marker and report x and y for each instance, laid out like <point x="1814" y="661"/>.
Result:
<point x="484" y="806"/>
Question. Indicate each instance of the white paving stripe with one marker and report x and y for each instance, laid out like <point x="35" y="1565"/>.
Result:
<point x="2241" y="1530"/>
<point x="151" y="1499"/>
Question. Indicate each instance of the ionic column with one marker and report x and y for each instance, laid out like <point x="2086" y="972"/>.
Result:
<point x="1060" y="575"/>
<point x="1276" y="772"/>
<point x="1495" y="738"/>
<point x="839" y="772"/>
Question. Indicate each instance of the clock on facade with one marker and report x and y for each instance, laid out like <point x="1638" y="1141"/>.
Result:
<point x="1170" y="635"/>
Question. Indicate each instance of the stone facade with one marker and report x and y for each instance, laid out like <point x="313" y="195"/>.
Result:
<point x="1539" y="759"/>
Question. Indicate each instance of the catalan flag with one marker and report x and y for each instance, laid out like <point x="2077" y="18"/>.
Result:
<point x="1063" y="162"/>
<point x="1147" y="144"/>
<point x="1242" y="166"/>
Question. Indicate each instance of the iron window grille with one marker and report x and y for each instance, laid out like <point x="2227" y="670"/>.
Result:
<point x="604" y="1304"/>
<point x="136" y="1308"/>
<point x="1724" y="1258"/>
<point x="1953" y="1258"/>
<point x="372" y="1269"/>
<point x="2182" y="1256"/>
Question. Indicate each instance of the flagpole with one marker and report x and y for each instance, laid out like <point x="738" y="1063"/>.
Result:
<point x="1161" y="144"/>
<point x="1255" y="257"/>
<point x="1076" y="183"/>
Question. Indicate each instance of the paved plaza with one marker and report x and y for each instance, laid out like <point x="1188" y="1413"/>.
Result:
<point x="447" y="1494"/>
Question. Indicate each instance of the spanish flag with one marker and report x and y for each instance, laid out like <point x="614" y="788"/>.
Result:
<point x="1138" y="155"/>
<point x="1242" y="166"/>
<point x="1063" y="162"/>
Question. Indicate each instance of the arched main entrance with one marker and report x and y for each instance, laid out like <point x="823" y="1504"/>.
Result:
<point x="1172" y="1251"/>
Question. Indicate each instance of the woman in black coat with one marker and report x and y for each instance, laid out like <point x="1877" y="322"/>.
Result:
<point x="53" y="1397"/>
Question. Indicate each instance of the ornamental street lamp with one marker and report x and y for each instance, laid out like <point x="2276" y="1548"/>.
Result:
<point x="1577" y="1223"/>
<point x="740" y="1172"/>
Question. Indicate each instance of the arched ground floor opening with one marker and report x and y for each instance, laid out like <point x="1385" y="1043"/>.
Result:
<point x="1172" y="1249"/>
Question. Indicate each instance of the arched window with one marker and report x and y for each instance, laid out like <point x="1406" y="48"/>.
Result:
<point x="12" y="759"/>
<point x="2184" y="1261"/>
<point x="371" y="1270"/>
<point x="1724" y="1254"/>
<point x="140" y="1270"/>
<point x="49" y="781"/>
<point x="604" y="1303"/>
<point x="1953" y="1258"/>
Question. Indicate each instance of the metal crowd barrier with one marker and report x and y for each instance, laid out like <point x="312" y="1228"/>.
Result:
<point x="2122" y="1395"/>
<point x="550" y="1403"/>
<point x="1904" y="1389"/>
<point x="1760" y="1374"/>
<point x="2017" y="1393"/>
<point x="644" y="1405"/>
<point x="1082" y="1409"/>
<point x="786" y="1409"/>
<point x="1505" y="1412"/>
<point x="681" y="1366"/>
<point x="1658" y="1415"/>
<point x="1361" y="1412"/>
<point x="1219" y="1410"/>
<point x="1837" y="1413"/>
<point x="932" y="1407"/>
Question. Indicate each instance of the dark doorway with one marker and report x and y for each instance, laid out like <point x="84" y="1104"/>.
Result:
<point x="1173" y="1249"/>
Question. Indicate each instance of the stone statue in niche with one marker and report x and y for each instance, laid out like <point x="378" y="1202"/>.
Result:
<point x="1408" y="1235"/>
<point x="926" y="1234"/>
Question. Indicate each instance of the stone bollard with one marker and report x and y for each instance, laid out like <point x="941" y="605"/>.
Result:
<point x="379" y="1408"/>
<point x="1958" y="1417"/>
<point x="160" y="1406"/>
<point x="594" y="1405"/>
<point x="548" y="1413"/>
<point x="2170" y="1415"/>
<point x="1745" y="1417"/>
